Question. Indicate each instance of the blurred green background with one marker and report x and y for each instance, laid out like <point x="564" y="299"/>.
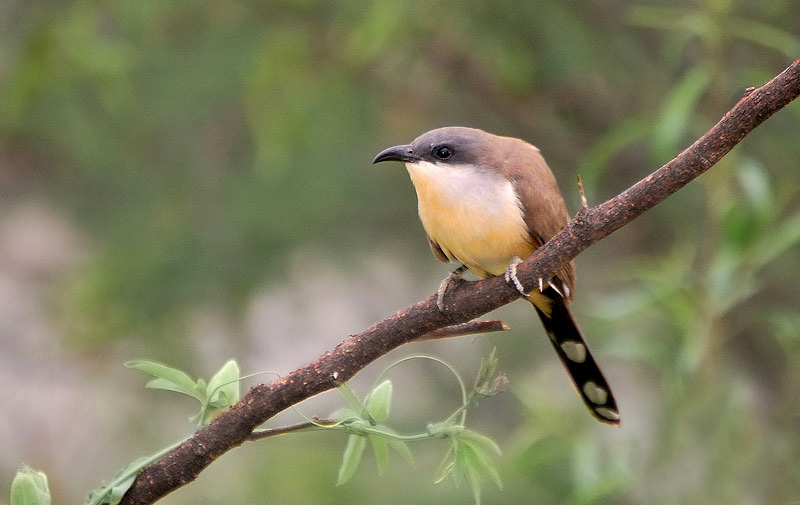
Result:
<point x="190" y="181"/>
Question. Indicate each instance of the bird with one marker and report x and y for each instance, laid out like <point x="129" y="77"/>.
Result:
<point x="486" y="201"/>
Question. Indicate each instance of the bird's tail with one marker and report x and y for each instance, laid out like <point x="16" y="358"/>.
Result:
<point x="574" y="354"/>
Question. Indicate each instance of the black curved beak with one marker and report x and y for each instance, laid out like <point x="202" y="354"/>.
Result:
<point x="396" y="153"/>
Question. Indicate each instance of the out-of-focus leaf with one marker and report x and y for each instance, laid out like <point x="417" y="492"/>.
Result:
<point x="607" y="147"/>
<point x="666" y="18"/>
<point x="678" y="109"/>
<point x="344" y="414"/>
<point x="29" y="487"/>
<point x="481" y="460"/>
<point x="738" y="227"/>
<point x="380" y="447"/>
<point x="482" y="441"/>
<point x="381" y="22"/>
<point x="350" y="397"/>
<point x="460" y="454"/>
<point x="729" y="281"/>
<point x="445" y="467"/>
<point x="402" y="449"/>
<point x="783" y="237"/>
<point x="469" y="460"/>
<point x="391" y="438"/>
<point x="475" y="479"/>
<point x="168" y="378"/>
<point x="765" y="35"/>
<point x="756" y="185"/>
<point x="378" y="402"/>
<point x="786" y="327"/>
<point x="351" y="458"/>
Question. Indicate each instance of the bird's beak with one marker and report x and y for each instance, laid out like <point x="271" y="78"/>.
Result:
<point x="396" y="153"/>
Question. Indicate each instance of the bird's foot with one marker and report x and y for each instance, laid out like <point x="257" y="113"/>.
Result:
<point x="510" y="276"/>
<point x="555" y="288"/>
<point x="455" y="275"/>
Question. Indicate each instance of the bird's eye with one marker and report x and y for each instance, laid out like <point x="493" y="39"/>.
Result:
<point x="442" y="152"/>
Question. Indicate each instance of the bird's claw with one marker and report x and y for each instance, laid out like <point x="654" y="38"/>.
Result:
<point x="556" y="289"/>
<point x="455" y="275"/>
<point x="510" y="276"/>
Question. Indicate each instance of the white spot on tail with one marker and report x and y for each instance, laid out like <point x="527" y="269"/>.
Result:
<point x="609" y="414"/>
<point x="575" y="351"/>
<point x="595" y="393"/>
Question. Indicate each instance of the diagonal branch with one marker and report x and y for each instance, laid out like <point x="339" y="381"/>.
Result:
<point x="465" y="301"/>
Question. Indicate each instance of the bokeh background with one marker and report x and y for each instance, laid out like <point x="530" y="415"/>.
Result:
<point x="190" y="181"/>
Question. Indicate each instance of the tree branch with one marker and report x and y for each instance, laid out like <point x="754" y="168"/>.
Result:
<point x="464" y="302"/>
<point x="461" y="329"/>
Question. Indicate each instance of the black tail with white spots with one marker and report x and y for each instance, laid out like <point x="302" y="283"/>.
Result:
<point x="581" y="366"/>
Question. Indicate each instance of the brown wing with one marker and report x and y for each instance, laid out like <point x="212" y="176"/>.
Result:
<point x="543" y="206"/>
<point x="437" y="251"/>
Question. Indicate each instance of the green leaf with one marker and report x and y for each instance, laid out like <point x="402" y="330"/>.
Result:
<point x="402" y="449"/>
<point x="168" y="385"/>
<point x="786" y="235"/>
<point x="470" y="461"/>
<point x="224" y="386"/>
<point x="379" y="26"/>
<point x="446" y="466"/>
<point x="220" y="394"/>
<point x="112" y="493"/>
<point x="350" y="397"/>
<point x="481" y="441"/>
<point x="444" y="429"/>
<point x="475" y="482"/>
<point x="765" y="35"/>
<point x="399" y="446"/>
<point x="484" y="382"/>
<point x="351" y="458"/>
<point x="480" y="459"/>
<point x="459" y="462"/>
<point x="603" y="151"/>
<point x="378" y="402"/>
<point x="380" y="447"/>
<point x="664" y="18"/>
<point x="754" y="180"/>
<point x="29" y="487"/>
<point x="168" y="378"/>
<point x="344" y="414"/>
<point x="677" y="111"/>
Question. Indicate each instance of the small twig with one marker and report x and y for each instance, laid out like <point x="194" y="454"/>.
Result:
<point x="584" y="203"/>
<point x="282" y="430"/>
<point x="468" y="328"/>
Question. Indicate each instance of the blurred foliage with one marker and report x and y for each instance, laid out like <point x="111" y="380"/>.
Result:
<point x="197" y="145"/>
